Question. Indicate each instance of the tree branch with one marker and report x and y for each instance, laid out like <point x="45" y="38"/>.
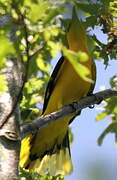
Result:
<point x="68" y="109"/>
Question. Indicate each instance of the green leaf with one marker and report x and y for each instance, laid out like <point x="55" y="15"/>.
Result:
<point x="32" y="84"/>
<point x="33" y="68"/>
<point x="3" y="84"/>
<point x="6" y="49"/>
<point x="28" y="114"/>
<point x="88" y="7"/>
<point x="54" y="12"/>
<point x="113" y="81"/>
<point x="76" y="60"/>
<point x="91" y="45"/>
<point x="35" y="176"/>
<point x="91" y="21"/>
<point x="101" y="116"/>
<point x="54" y="47"/>
<point x="42" y="65"/>
<point x="105" y="4"/>
<point x="37" y="11"/>
<point x="111" y="128"/>
<point x="113" y="9"/>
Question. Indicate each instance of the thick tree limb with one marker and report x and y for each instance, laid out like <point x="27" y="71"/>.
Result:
<point x="68" y="109"/>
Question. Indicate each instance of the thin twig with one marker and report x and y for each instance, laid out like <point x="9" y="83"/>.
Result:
<point x="68" y="109"/>
<point x="35" y="52"/>
<point x="25" y="76"/>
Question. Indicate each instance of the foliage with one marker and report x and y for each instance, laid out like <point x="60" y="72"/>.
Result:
<point x="34" y="176"/>
<point x="34" y="31"/>
<point x="111" y="111"/>
<point x="102" y="14"/>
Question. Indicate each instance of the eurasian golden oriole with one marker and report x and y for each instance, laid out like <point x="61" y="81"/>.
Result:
<point x="48" y="149"/>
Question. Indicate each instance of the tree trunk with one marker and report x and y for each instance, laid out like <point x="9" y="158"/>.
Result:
<point x="9" y="125"/>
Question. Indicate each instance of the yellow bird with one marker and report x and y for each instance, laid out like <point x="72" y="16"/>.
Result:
<point x="48" y="151"/>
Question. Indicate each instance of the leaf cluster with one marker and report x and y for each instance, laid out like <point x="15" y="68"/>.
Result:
<point x="110" y="110"/>
<point x="35" y="176"/>
<point x="29" y="31"/>
<point x="101" y="15"/>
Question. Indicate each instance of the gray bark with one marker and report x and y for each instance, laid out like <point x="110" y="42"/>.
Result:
<point x="9" y="126"/>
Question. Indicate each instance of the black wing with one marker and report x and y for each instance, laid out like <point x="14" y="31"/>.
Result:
<point x="51" y="83"/>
